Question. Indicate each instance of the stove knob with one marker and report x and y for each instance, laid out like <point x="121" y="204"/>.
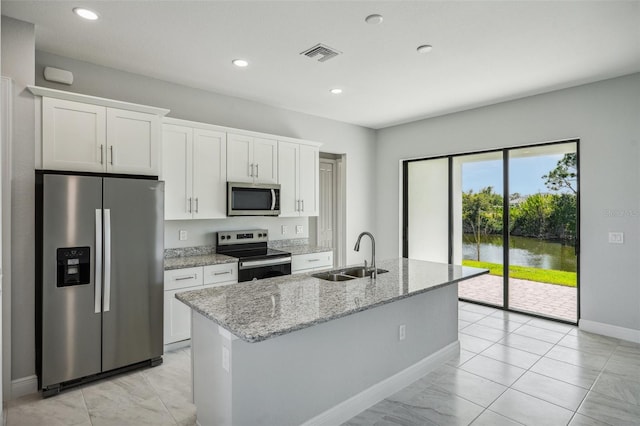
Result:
<point x="222" y="237"/>
<point x="228" y="237"/>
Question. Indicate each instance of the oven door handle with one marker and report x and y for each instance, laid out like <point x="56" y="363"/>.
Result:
<point x="250" y="264"/>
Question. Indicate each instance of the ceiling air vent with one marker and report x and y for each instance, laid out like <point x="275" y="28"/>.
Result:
<point x="325" y="52"/>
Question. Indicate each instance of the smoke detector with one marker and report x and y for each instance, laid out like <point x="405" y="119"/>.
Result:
<point x="325" y="52"/>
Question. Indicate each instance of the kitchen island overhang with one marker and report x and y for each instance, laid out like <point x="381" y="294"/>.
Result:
<point x="298" y="349"/>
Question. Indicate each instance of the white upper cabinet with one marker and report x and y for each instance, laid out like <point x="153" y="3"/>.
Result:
<point x="298" y="178"/>
<point x="89" y="134"/>
<point x="133" y="142"/>
<point x="251" y="159"/>
<point x="194" y="171"/>
<point x="74" y="136"/>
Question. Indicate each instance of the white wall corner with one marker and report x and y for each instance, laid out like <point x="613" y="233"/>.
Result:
<point x="609" y="330"/>
<point x="23" y="386"/>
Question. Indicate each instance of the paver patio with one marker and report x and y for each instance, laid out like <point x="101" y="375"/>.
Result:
<point x="550" y="300"/>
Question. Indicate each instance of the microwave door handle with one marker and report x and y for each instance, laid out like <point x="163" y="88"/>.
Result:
<point x="273" y="199"/>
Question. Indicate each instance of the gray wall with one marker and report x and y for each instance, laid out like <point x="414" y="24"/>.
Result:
<point x="18" y="63"/>
<point x="605" y="116"/>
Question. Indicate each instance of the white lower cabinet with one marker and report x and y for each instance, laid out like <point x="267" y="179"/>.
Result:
<point x="177" y="316"/>
<point x="311" y="262"/>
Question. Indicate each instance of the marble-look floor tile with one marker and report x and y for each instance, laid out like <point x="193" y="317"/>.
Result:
<point x="527" y="344"/>
<point x="484" y="332"/>
<point x="499" y="323"/>
<point x="610" y="410"/>
<point x="439" y="407"/>
<point x="552" y="325"/>
<point x="578" y="376"/>
<point x="512" y="316"/>
<point x="529" y="410"/>
<point x="551" y="390"/>
<point x="494" y="370"/>
<point x="172" y="382"/>
<point x="619" y="387"/>
<point x="575" y="357"/>
<point x="490" y="418"/>
<point x="151" y="412"/>
<point x="373" y="414"/>
<point x="580" y="420"/>
<point x="462" y="324"/>
<point x="594" y="344"/>
<point x="539" y="333"/>
<point x="66" y="409"/>
<point x="469" y="316"/>
<point x="485" y="310"/>
<point x="622" y="368"/>
<point x="473" y="344"/>
<point x="131" y="388"/>
<point x="461" y="358"/>
<point x="512" y="356"/>
<point x="476" y="389"/>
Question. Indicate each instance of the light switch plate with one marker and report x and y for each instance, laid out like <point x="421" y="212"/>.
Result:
<point x="183" y="235"/>
<point x="298" y="229"/>
<point x="284" y="229"/>
<point x="616" y="237"/>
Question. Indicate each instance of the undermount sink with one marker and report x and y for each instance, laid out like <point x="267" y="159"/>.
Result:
<point x="331" y="276"/>
<point x="347" y="274"/>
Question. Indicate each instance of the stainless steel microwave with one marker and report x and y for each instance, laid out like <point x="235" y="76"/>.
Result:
<point x="253" y="199"/>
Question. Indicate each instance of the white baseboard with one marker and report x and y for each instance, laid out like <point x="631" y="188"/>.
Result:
<point x="24" y="386"/>
<point x="170" y="347"/>
<point x="610" y="330"/>
<point x="376" y="393"/>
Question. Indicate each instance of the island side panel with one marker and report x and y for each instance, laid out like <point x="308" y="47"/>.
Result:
<point x="292" y="378"/>
<point x="211" y="381"/>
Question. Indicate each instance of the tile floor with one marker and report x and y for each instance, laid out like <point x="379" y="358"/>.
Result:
<point x="153" y="396"/>
<point x="518" y="370"/>
<point x="512" y="370"/>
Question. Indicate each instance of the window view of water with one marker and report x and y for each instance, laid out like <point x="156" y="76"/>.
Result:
<point x="522" y="251"/>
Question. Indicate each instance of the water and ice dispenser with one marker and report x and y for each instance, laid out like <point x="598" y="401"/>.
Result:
<point x="74" y="266"/>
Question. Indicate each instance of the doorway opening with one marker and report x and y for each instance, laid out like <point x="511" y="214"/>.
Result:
<point x="514" y="211"/>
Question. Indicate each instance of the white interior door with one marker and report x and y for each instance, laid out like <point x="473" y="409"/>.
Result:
<point x="327" y="210"/>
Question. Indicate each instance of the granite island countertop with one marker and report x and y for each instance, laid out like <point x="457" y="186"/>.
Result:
<point x="258" y="310"/>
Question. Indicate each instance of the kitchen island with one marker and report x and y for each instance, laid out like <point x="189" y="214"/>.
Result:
<point x="298" y="349"/>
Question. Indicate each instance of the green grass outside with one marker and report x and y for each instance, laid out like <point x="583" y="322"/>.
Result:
<point x="548" y="276"/>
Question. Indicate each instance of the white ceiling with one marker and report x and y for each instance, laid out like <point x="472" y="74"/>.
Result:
<point x="484" y="51"/>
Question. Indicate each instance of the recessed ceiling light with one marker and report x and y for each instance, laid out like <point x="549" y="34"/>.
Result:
<point x="374" y="19"/>
<point x="425" y="48"/>
<point x="336" y="91"/>
<point x="241" y="63"/>
<point x="85" y="13"/>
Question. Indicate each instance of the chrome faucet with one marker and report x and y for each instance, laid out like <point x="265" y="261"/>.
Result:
<point x="373" y="252"/>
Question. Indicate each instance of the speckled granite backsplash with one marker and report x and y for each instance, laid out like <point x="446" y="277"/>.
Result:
<point x="189" y="251"/>
<point x="288" y="243"/>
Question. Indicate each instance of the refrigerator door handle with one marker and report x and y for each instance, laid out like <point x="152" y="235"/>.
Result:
<point x="97" y="308"/>
<point x="107" y="260"/>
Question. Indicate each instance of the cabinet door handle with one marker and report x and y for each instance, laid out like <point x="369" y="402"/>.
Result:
<point x="302" y="205"/>
<point x="197" y="205"/>
<point x="101" y="154"/>
<point x="257" y="170"/>
<point x="222" y="273"/>
<point x="111" y="149"/>
<point x="251" y="173"/>
<point x="190" y="277"/>
<point x="189" y="204"/>
<point x="313" y="260"/>
<point x="297" y="205"/>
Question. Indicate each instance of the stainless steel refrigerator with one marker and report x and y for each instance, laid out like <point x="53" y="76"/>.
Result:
<point x="99" y="276"/>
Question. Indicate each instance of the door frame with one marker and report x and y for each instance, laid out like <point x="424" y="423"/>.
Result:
<point x="404" y="225"/>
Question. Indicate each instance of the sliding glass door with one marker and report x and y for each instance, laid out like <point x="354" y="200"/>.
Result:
<point x="513" y="211"/>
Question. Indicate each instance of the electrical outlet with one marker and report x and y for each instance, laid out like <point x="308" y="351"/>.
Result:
<point x="402" y="332"/>
<point x="183" y="235"/>
<point x="285" y="229"/>
<point x="616" y="237"/>
<point x="298" y="229"/>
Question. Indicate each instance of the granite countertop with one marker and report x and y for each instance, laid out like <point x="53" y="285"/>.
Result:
<point x="196" y="260"/>
<point x="256" y="311"/>
<point x="304" y="249"/>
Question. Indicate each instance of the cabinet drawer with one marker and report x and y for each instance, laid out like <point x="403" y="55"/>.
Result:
<point x="182" y="278"/>
<point x="222" y="273"/>
<point x="311" y="261"/>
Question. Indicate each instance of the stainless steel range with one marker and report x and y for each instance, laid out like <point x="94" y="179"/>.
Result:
<point x="255" y="259"/>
